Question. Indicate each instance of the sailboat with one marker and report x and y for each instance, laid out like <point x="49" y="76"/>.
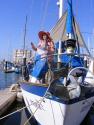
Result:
<point x="8" y="67"/>
<point x="64" y="100"/>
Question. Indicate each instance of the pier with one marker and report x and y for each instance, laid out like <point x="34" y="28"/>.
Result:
<point x="6" y="99"/>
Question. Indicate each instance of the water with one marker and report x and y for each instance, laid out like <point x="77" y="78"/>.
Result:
<point x="18" y="118"/>
<point x="6" y="79"/>
<point x="89" y="119"/>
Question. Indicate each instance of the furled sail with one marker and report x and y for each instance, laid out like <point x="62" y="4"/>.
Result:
<point x="58" y="32"/>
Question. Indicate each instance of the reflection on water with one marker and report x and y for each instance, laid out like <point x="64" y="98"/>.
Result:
<point x="6" y="79"/>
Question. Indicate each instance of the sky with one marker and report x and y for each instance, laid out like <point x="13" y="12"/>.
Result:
<point x="41" y="15"/>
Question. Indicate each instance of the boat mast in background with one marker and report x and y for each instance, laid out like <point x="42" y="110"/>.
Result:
<point x="60" y="5"/>
<point x="25" y="35"/>
<point x="24" y="47"/>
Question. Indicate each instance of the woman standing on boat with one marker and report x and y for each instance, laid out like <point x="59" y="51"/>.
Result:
<point x="45" y="47"/>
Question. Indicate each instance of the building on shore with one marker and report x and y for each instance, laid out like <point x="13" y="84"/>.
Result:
<point x="19" y="54"/>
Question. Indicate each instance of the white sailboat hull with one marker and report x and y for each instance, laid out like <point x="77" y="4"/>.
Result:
<point x="53" y="112"/>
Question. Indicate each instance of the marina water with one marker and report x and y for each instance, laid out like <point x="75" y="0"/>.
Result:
<point x="6" y="79"/>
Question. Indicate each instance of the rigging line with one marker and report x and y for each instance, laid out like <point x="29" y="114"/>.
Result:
<point x="29" y="13"/>
<point x="76" y="36"/>
<point x="61" y="111"/>
<point x="91" y="10"/>
<point x="52" y="112"/>
<point x="44" y="15"/>
<point x="31" y="7"/>
<point x="87" y="33"/>
<point x="40" y="101"/>
<point x="41" y="10"/>
<point x="86" y="46"/>
<point x="28" y="104"/>
<point x="31" y="10"/>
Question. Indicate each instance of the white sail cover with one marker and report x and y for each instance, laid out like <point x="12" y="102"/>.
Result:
<point x="58" y="32"/>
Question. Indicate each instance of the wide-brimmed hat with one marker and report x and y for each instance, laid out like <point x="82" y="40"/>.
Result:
<point x="41" y="33"/>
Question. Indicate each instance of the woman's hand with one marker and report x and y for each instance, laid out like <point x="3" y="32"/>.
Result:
<point x="33" y="46"/>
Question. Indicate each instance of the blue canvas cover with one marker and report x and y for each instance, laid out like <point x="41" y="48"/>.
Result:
<point x="69" y="27"/>
<point x="75" y="61"/>
<point x="65" y="58"/>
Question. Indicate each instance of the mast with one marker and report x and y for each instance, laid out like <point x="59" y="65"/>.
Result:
<point x="60" y="5"/>
<point x="25" y="29"/>
<point x="24" y="52"/>
<point x="71" y="40"/>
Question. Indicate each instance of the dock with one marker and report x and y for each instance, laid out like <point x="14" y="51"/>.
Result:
<point x="6" y="99"/>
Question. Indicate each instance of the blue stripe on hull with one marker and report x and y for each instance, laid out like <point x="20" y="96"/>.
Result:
<point x="40" y="91"/>
<point x="37" y="90"/>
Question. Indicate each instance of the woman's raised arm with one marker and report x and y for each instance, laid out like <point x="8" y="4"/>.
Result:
<point x="33" y="46"/>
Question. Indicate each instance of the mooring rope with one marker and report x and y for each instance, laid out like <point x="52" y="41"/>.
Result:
<point x="13" y="112"/>
<point x="28" y="105"/>
<point x="24" y="106"/>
